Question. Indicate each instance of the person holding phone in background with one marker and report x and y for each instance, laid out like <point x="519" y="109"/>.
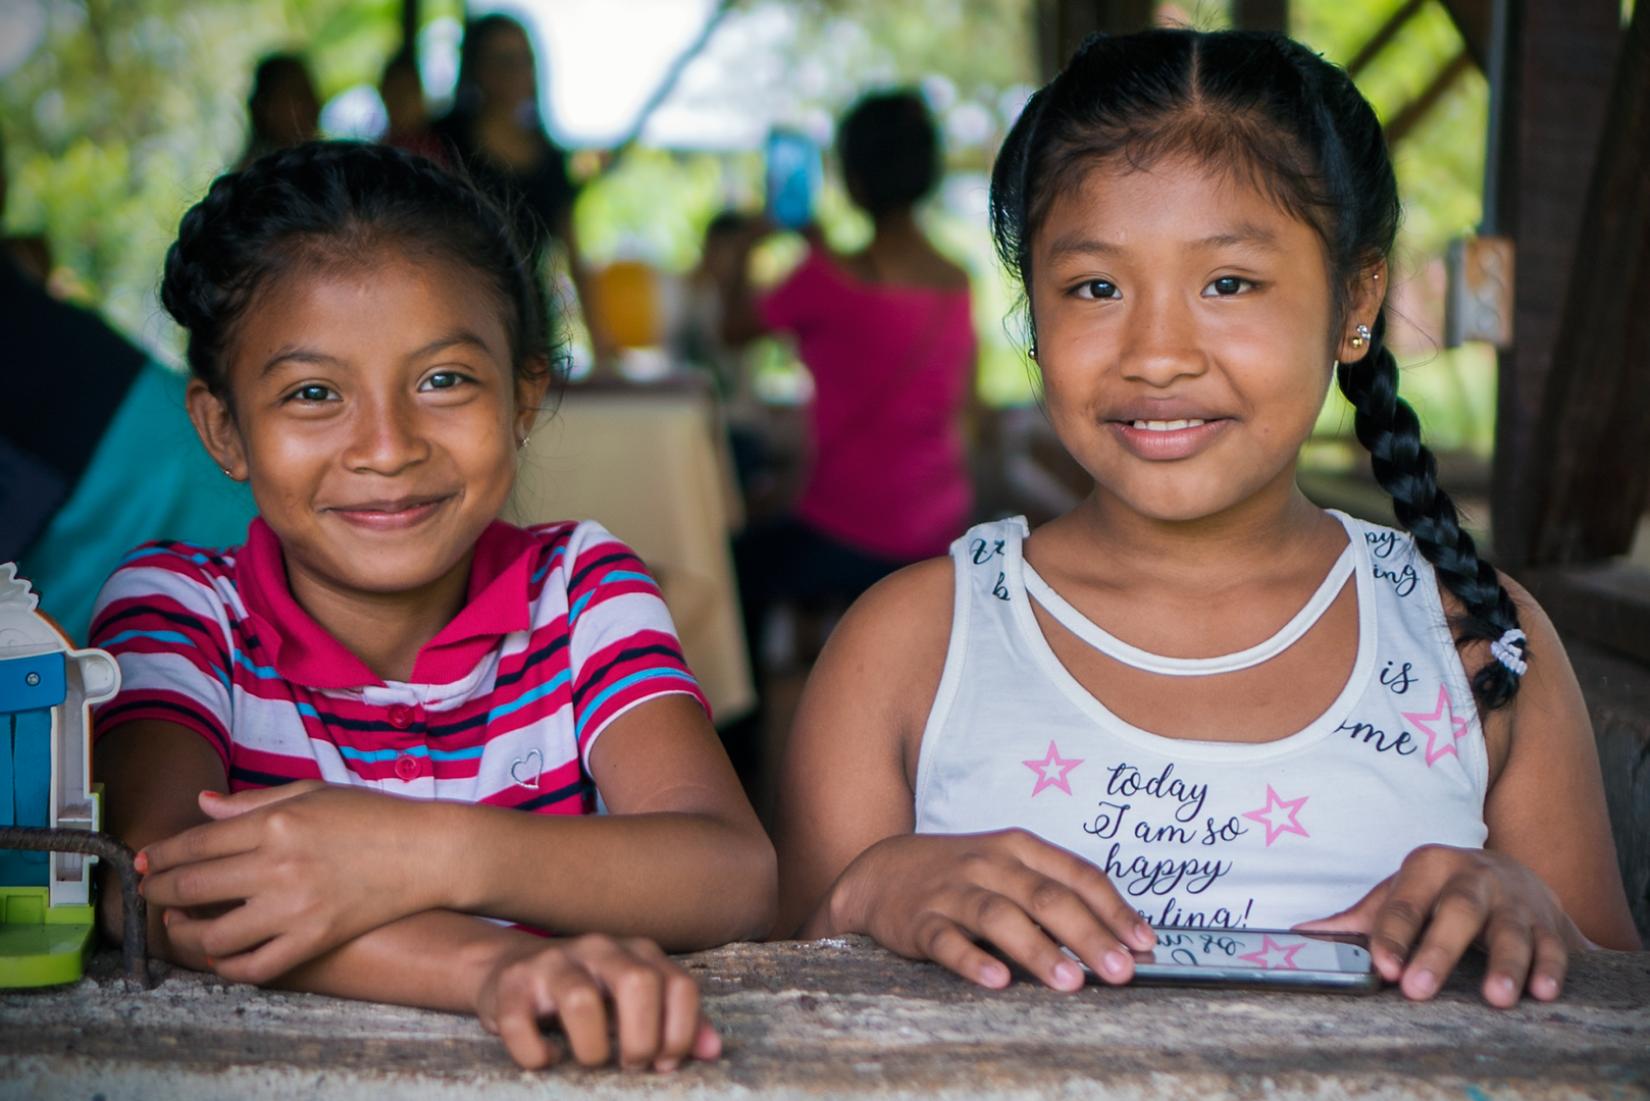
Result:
<point x="887" y="334"/>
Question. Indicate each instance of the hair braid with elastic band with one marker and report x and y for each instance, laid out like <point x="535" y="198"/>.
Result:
<point x="1407" y="470"/>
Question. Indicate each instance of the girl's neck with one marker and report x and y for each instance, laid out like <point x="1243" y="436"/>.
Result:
<point x="1275" y="531"/>
<point x="897" y="228"/>
<point x="385" y="630"/>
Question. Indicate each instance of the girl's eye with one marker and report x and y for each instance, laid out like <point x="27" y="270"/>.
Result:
<point x="1226" y="286"/>
<point x="444" y="380"/>
<point x="311" y="393"/>
<point x="1098" y="288"/>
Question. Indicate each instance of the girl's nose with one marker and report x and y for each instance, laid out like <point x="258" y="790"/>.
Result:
<point x="1160" y="344"/>
<point x="387" y="439"/>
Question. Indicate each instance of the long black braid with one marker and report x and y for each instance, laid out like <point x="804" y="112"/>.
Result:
<point x="1406" y="469"/>
<point x="1294" y="125"/>
<point x="340" y="203"/>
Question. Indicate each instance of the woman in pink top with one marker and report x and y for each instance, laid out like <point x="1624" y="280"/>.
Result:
<point x="888" y="337"/>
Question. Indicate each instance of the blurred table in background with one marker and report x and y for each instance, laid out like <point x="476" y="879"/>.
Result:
<point x="650" y="463"/>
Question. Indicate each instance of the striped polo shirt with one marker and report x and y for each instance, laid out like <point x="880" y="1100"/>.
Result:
<point x="562" y="631"/>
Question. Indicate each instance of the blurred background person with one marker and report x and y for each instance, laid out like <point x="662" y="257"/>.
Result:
<point x="407" y="116"/>
<point x="96" y="452"/>
<point x="495" y="131"/>
<point x="282" y="109"/>
<point x="887" y="335"/>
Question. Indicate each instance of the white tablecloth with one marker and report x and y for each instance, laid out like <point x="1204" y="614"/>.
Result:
<point x="651" y="465"/>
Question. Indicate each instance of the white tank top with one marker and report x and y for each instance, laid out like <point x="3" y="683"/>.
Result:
<point x="1197" y="832"/>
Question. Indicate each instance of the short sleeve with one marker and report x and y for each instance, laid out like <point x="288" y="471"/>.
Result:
<point x="800" y="299"/>
<point x="162" y="617"/>
<point x="624" y="649"/>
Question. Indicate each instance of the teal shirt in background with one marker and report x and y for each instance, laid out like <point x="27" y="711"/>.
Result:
<point x="149" y="478"/>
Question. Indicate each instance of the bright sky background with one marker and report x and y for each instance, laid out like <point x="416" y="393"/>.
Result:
<point x="604" y="60"/>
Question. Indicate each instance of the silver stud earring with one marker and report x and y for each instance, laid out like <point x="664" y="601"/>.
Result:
<point x="1360" y="336"/>
<point x="226" y="472"/>
<point x="1032" y="351"/>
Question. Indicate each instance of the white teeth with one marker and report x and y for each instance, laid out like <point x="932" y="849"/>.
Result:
<point x="1167" y="426"/>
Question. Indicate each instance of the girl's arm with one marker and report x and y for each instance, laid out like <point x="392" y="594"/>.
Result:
<point x="512" y="981"/>
<point x="1547" y="808"/>
<point x="152" y="773"/>
<point x="850" y="861"/>
<point x="1547" y="882"/>
<point x="681" y="858"/>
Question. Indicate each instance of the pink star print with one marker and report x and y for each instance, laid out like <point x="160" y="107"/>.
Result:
<point x="1437" y="746"/>
<point x="1045" y="769"/>
<point x="1262" y="957"/>
<point x="1268" y="815"/>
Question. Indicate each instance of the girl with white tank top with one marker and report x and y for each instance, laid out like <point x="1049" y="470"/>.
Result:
<point x="1197" y="699"/>
<point x="1207" y="833"/>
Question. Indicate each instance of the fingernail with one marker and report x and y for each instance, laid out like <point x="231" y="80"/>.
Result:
<point x="1544" y="986"/>
<point x="1115" y="962"/>
<point x="167" y="916"/>
<point x="210" y="962"/>
<point x="1144" y="936"/>
<point x="1067" y="975"/>
<point x="1504" y="986"/>
<point x="993" y="974"/>
<point x="1425" y="982"/>
<point x="141" y="862"/>
<point x="665" y="1066"/>
<point x="209" y="794"/>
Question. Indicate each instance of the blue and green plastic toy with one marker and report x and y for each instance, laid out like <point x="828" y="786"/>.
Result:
<point x="46" y="691"/>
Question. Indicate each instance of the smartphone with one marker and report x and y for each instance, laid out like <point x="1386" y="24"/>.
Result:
<point x="795" y="170"/>
<point x="1273" y="959"/>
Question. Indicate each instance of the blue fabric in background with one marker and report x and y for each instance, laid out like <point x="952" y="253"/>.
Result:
<point x="149" y="478"/>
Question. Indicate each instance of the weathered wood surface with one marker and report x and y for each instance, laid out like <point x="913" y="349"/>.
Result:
<point x="845" y="1019"/>
<point x="1559" y="64"/>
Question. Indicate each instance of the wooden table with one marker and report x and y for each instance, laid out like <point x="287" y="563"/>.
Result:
<point x="844" y="1019"/>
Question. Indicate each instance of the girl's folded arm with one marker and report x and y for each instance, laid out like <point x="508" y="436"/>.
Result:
<point x="1546" y="807"/>
<point x="680" y="857"/>
<point x="152" y="774"/>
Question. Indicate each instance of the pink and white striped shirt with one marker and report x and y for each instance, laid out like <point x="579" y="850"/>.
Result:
<point x="563" y="631"/>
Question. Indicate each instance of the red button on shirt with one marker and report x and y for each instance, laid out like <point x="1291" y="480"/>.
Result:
<point x="407" y="767"/>
<point x="401" y="716"/>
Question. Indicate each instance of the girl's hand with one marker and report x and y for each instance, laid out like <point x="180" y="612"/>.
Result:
<point x="1442" y="900"/>
<point x="654" y="1005"/>
<point x="932" y="896"/>
<point x="311" y="865"/>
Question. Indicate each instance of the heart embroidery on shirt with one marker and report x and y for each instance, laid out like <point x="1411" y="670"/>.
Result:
<point x="535" y="765"/>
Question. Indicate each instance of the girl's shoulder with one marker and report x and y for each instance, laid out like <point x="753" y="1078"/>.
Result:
<point x="174" y="567"/>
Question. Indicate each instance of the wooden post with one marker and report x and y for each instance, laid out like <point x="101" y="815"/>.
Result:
<point x="410" y="21"/>
<point x="1063" y="24"/>
<point x="1261" y="15"/>
<point x="1594" y="443"/>
<point x="1552" y="96"/>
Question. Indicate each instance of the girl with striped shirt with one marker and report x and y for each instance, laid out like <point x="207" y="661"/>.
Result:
<point x="361" y="754"/>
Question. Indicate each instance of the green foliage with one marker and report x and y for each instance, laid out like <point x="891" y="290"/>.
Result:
<point x="123" y="113"/>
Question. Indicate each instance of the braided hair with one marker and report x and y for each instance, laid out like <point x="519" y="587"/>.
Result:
<point x="329" y="203"/>
<point x="1283" y="119"/>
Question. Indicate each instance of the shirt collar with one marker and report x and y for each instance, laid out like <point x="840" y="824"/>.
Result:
<point x="303" y="652"/>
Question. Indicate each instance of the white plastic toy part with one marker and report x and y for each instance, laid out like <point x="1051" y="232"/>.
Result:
<point x="88" y="677"/>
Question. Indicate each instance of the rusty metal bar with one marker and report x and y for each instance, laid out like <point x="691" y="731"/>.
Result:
<point x="134" y="947"/>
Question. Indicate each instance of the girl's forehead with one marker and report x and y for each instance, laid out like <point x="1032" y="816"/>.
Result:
<point x="1172" y="200"/>
<point x="372" y="307"/>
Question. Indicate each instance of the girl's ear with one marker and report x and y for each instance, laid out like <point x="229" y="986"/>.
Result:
<point x="532" y="384"/>
<point x="215" y="425"/>
<point x="1368" y="294"/>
